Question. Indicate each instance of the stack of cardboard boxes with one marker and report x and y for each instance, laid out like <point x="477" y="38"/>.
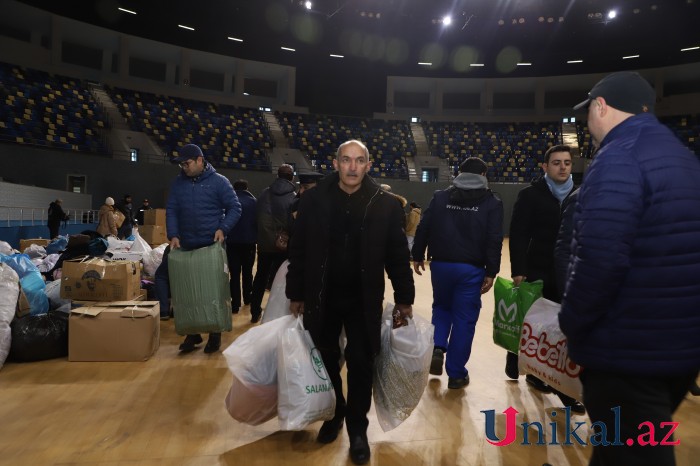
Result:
<point x="111" y="323"/>
<point x="153" y="228"/>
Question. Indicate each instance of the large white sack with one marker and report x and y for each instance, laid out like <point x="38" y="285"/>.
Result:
<point x="9" y="294"/>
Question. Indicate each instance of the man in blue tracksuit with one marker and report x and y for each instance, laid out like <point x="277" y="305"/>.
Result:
<point x="463" y="231"/>
<point x="202" y="208"/>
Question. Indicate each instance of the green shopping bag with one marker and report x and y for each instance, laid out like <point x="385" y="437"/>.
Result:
<point x="199" y="286"/>
<point x="512" y="303"/>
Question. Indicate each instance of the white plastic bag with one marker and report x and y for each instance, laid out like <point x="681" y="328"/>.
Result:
<point x="401" y="368"/>
<point x="152" y="259"/>
<point x="35" y="251"/>
<point x="277" y="303"/>
<point x="306" y="393"/>
<point x="252" y="358"/>
<point x="9" y="294"/>
<point x="140" y="244"/>
<point x="6" y="249"/>
<point x="544" y="350"/>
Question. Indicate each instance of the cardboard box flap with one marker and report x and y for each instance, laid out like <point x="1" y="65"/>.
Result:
<point x="140" y="311"/>
<point x="92" y="311"/>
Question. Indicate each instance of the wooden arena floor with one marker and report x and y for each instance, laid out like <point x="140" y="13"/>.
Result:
<point x="170" y="411"/>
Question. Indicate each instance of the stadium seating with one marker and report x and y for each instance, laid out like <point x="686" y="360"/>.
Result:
<point x="231" y="137"/>
<point x="49" y="110"/>
<point x="512" y="151"/>
<point x="388" y="142"/>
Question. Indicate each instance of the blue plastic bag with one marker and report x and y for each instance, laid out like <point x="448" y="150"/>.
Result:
<point x="57" y="245"/>
<point x="30" y="280"/>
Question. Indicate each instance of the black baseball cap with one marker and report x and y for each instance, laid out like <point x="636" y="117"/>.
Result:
<point x="187" y="152"/>
<point x="626" y="91"/>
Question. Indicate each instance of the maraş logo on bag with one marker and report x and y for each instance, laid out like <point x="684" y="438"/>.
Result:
<point x="507" y="313"/>
<point x="554" y="355"/>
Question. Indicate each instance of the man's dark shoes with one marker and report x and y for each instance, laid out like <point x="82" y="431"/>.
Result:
<point x="254" y="318"/>
<point x="188" y="345"/>
<point x="213" y="343"/>
<point x="512" y="366"/>
<point x="455" y="383"/>
<point x="437" y="361"/>
<point x="575" y="406"/>
<point x="537" y="384"/>
<point x="330" y="430"/>
<point x="359" y="449"/>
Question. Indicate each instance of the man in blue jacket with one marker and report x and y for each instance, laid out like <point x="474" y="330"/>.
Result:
<point x="631" y="305"/>
<point x="463" y="231"/>
<point x="202" y="208"/>
<point x="240" y="247"/>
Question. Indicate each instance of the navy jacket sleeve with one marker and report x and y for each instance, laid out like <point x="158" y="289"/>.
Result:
<point x="562" y="249"/>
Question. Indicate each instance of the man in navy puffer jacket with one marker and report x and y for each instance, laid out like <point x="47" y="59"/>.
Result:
<point x="463" y="231"/>
<point x="202" y="208"/>
<point x="631" y="309"/>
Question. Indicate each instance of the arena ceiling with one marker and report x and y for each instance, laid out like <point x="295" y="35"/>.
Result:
<point x="350" y="46"/>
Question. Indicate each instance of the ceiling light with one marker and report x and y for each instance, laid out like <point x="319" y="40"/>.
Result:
<point x="308" y="5"/>
<point x="690" y="48"/>
<point x="185" y="27"/>
<point x="424" y="63"/>
<point x="476" y="64"/>
<point x="541" y="19"/>
<point x="337" y="56"/>
<point x="612" y="14"/>
<point x="447" y="20"/>
<point x="574" y="61"/>
<point x="523" y="64"/>
<point x="630" y="56"/>
<point x="501" y="22"/>
<point x="245" y="93"/>
<point x="126" y="11"/>
<point x="288" y="49"/>
<point x="561" y="19"/>
<point x="236" y="39"/>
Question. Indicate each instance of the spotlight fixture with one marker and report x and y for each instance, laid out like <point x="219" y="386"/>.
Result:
<point x="308" y="5"/>
<point x="235" y="39"/>
<point x="185" y="27"/>
<point x="630" y="56"/>
<point x="126" y="11"/>
<point x="288" y="49"/>
<point x="447" y="20"/>
<point x="574" y="61"/>
<point x="424" y="63"/>
<point x="612" y="14"/>
<point x="688" y="49"/>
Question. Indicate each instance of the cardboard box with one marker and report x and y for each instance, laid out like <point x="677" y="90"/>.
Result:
<point x="23" y="306"/>
<point x="114" y="331"/>
<point x="25" y="243"/>
<point x="153" y="234"/>
<point x="154" y="217"/>
<point x="126" y="256"/>
<point x="100" y="280"/>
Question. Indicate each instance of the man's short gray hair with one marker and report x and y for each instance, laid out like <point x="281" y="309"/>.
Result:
<point x="353" y="141"/>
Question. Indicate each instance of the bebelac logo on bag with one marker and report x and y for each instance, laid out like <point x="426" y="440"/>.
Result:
<point x="555" y="355"/>
<point x="320" y="370"/>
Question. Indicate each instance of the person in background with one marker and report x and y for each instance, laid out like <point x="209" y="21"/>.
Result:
<point x="106" y="224"/>
<point x="412" y="220"/>
<point x="273" y="213"/>
<point x="533" y="234"/>
<point x="142" y="210"/>
<point x="126" y="208"/>
<point x="56" y="216"/>
<point x="631" y="306"/>
<point x="202" y="208"/>
<point x="240" y="247"/>
<point x="463" y="230"/>
<point x="348" y="231"/>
